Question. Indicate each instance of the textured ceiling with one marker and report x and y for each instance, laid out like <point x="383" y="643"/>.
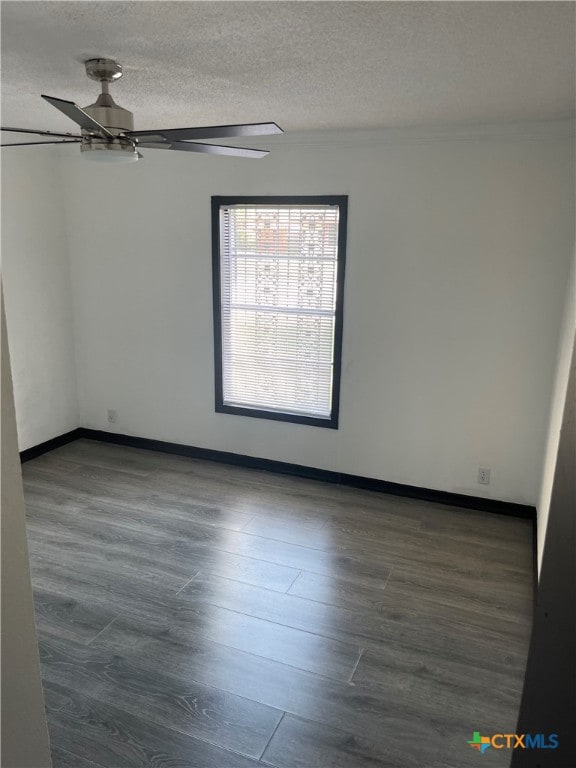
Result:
<point x="306" y="65"/>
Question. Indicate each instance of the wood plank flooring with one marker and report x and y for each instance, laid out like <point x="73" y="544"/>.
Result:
<point x="196" y="615"/>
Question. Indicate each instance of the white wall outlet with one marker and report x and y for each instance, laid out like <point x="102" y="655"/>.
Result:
<point x="484" y="475"/>
<point x="112" y="417"/>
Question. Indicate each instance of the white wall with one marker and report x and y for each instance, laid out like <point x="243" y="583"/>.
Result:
<point x="559" y="394"/>
<point x="37" y="292"/>
<point x="24" y="730"/>
<point x="458" y="254"/>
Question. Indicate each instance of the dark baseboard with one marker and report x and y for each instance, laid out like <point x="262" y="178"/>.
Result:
<point x="285" y="468"/>
<point x="325" y="475"/>
<point x="49" y="445"/>
<point x="441" y="497"/>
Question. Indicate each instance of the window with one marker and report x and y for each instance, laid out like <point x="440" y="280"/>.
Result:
<point x="278" y="271"/>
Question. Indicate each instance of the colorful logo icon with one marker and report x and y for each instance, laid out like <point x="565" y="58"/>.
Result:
<point x="481" y="743"/>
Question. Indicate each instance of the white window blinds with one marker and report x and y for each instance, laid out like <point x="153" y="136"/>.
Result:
<point x="278" y="290"/>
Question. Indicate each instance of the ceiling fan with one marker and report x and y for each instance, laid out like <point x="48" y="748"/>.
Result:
<point x="107" y="130"/>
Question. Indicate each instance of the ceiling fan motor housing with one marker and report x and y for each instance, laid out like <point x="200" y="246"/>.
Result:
<point x="116" y="119"/>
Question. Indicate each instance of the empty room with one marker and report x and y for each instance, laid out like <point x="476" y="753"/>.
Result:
<point x="288" y="414"/>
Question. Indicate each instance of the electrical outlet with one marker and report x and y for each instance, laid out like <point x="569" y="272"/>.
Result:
<point x="484" y="475"/>
<point x="112" y="417"/>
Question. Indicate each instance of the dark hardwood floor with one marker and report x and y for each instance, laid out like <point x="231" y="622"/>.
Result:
<point x="192" y="614"/>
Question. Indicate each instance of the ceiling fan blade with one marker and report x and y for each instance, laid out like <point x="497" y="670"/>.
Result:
<point x="43" y="133"/>
<point x="80" y="117"/>
<point x="209" y="149"/>
<point x="34" y="143"/>
<point x="210" y="132"/>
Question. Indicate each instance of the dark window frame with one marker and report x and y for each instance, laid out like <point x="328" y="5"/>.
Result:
<point x="337" y="200"/>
